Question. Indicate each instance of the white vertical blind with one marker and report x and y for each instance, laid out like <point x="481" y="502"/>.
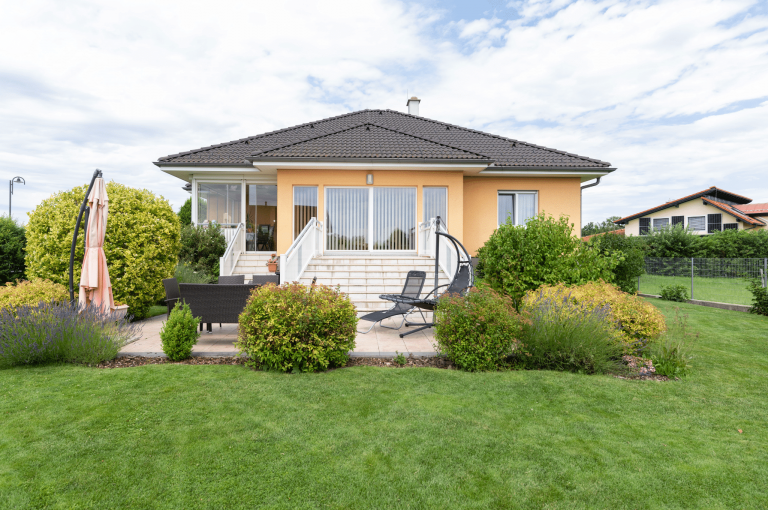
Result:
<point x="304" y="207"/>
<point x="526" y="207"/>
<point x="394" y="218"/>
<point x="346" y="218"/>
<point x="506" y="208"/>
<point x="436" y="203"/>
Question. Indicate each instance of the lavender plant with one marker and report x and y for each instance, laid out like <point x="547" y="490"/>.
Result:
<point x="59" y="332"/>
<point x="568" y="336"/>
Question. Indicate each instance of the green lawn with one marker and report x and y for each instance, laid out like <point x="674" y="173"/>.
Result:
<point x="156" y="310"/>
<point x="721" y="290"/>
<point x="173" y="436"/>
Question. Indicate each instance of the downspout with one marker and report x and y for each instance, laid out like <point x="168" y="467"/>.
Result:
<point x="581" y="206"/>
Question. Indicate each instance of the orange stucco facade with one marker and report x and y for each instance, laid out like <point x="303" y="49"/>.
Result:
<point x="472" y="201"/>
<point x="556" y="196"/>
<point x="287" y="179"/>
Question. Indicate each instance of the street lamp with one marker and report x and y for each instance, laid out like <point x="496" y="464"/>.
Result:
<point x="17" y="180"/>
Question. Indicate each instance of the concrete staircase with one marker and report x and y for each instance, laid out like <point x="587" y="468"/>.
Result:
<point x="365" y="278"/>
<point x="252" y="263"/>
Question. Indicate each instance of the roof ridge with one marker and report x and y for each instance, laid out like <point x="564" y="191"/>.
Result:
<point x="491" y="135"/>
<point x="262" y="135"/>
<point x="367" y="123"/>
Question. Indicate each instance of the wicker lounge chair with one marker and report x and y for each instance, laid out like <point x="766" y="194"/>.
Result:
<point x="414" y="282"/>
<point x="462" y="281"/>
<point x="171" y="293"/>
<point x="215" y="303"/>
<point x="263" y="279"/>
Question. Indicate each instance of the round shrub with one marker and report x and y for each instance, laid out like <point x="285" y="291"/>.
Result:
<point x="32" y="293"/>
<point x="478" y="331"/>
<point x="638" y="320"/>
<point x="297" y="328"/>
<point x="678" y="293"/>
<point x="12" y="243"/>
<point x="518" y="258"/>
<point x="179" y="333"/>
<point x="141" y="243"/>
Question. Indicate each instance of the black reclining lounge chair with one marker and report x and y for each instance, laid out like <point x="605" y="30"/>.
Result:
<point x="414" y="282"/>
<point x="462" y="281"/>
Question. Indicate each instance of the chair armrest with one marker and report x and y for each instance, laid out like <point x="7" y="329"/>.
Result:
<point x="171" y="299"/>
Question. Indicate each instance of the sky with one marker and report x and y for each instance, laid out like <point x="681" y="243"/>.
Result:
<point x="673" y="93"/>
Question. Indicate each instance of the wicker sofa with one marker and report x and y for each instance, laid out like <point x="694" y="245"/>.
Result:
<point x="215" y="303"/>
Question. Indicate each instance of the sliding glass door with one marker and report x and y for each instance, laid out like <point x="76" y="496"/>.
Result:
<point x="370" y="219"/>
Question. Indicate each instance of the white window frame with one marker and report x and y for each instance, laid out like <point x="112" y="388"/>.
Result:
<point x="293" y="204"/>
<point x="370" y="250"/>
<point x="517" y="203"/>
<point x="196" y="181"/>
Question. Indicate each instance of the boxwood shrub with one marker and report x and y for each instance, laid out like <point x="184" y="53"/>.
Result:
<point x="32" y="293"/>
<point x="297" y="328"/>
<point x="479" y="331"/>
<point x="179" y="334"/>
<point x="142" y="243"/>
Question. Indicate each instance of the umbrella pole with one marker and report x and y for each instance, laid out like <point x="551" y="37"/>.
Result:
<point x="96" y="173"/>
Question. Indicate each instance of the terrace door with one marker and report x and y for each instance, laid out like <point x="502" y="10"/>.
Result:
<point x="380" y="219"/>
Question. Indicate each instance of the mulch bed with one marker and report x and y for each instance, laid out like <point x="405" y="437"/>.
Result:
<point x="411" y="362"/>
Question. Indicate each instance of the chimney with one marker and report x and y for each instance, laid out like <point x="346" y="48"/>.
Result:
<point x="413" y="105"/>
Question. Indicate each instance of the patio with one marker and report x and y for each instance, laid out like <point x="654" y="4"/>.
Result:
<point x="380" y="342"/>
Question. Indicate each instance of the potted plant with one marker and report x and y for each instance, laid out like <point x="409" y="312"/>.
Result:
<point x="272" y="263"/>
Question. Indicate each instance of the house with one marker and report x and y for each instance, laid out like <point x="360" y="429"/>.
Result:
<point x="711" y="210"/>
<point x="352" y="199"/>
<point x="617" y="232"/>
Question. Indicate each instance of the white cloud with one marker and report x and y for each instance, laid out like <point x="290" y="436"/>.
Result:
<point x="646" y="85"/>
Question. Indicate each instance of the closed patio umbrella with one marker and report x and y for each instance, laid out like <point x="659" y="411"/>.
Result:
<point x="95" y="287"/>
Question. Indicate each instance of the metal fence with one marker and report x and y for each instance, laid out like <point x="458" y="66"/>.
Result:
<point x="720" y="280"/>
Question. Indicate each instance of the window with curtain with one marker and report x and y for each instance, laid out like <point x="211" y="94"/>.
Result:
<point x="304" y="207"/>
<point x="394" y="218"/>
<point x="346" y="218"/>
<point x="697" y="223"/>
<point x="660" y="223"/>
<point x="219" y="202"/>
<point x="516" y="206"/>
<point x="436" y="204"/>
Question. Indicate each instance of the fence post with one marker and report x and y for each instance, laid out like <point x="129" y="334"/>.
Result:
<point x="691" y="277"/>
<point x="765" y="272"/>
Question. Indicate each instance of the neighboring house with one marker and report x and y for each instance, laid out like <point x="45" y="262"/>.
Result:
<point x="711" y="210"/>
<point x="617" y="232"/>
<point x="374" y="180"/>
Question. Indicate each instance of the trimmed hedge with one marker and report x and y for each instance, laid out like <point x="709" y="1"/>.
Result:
<point x="141" y="244"/>
<point x="32" y="293"/>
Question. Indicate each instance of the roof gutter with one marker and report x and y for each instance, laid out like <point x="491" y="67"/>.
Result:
<point x="581" y="202"/>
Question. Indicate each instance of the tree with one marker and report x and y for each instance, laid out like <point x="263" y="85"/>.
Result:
<point x="141" y="244"/>
<point x="12" y="247"/>
<point x="607" y="225"/>
<point x="185" y="213"/>
<point x="630" y="254"/>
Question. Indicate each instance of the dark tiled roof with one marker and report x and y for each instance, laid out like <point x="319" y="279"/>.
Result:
<point x="712" y="191"/>
<point x="504" y="152"/>
<point x="368" y="141"/>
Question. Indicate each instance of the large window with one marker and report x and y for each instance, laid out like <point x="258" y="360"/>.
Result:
<point x="304" y="207"/>
<point x="436" y="204"/>
<point x="645" y="226"/>
<point x="516" y="207"/>
<point x="362" y="219"/>
<point x="220" y="203"/>
<point x="714" y="222"/>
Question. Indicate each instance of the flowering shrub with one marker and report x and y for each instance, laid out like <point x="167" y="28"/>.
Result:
<point x="296" y="328"/>
<point x="479" y="331"/>
<point x="638" y="320"/>
<point x="47" y="332"/>
<point x="31" y="293"/>
<point x="570" y="336"/>
<point x="179" y="333"/>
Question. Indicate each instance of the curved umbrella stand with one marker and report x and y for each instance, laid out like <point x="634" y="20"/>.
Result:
<point x="83" y="210"/>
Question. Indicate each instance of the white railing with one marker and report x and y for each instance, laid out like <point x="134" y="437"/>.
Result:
<point x="309" y="243"/>
<point x="235" y="247"/>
